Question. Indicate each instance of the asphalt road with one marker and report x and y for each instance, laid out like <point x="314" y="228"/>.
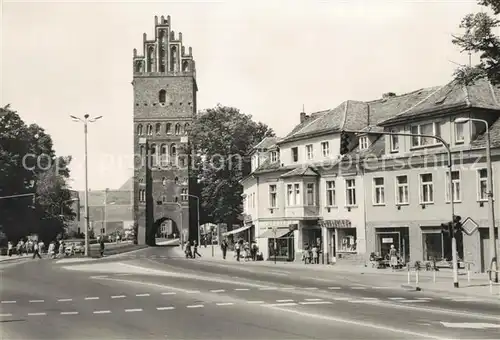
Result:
<point x="158" y="295"/>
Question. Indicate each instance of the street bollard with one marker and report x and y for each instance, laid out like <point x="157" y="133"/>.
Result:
<point x="409" y="275"/>
<point x="416" y="278"/>
<point x="434" y="275"/>
<point x="468" y="272"/>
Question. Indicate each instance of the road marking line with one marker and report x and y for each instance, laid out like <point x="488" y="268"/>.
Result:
<point x="132" y="310"/>
<point x="267" y="288"/>
<point x="225" y="304"/>
<point x="193" y="292"/>
<point x="316" y="303"/>
<point x="362" y="301"/>
<point x="6" y="315"/>
<point x="37" y="301"/>
<point x="288" y="288"/>
<point x="357" y="287"/>
<point x="165" y="308"/>
<point x="428" y="299"/>
<point x="282" y="304"/>
<point x="255" y="302"/>
<point x="411" y="301"/>
<point x="311" y="288"/>
<point x="478" y="325"/>
<point x="241" y="289"/>
<point x="217" y="290"/>
<point x="288" y="300"/>
<point x="370" y="298"/>
<point x="195" y="306"/>
<point x="359" y="323"/>
<point x="102" y="312"/>
<point x="64" y="300"/>
<point x="139" y="295"/>
<point x="69" y="313"/>
<point x="396" y="298"/>
<point x="313" y="299"/>
<point x="334" y="288"/>
<point x="8" y="301"/>
<point x="118" y="296"/>
<point x="36" y="314"/>
<point x="92" y="298"/>
<point x="341" y="298"/>
<point x="169" y="293"/>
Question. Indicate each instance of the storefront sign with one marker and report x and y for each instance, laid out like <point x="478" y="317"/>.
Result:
<point x="335" y="224"/>
<point x="387" y="240"/>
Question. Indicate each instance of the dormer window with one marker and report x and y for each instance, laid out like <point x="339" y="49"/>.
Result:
<point x="394" y="141"/>
<point x="274" y="156"/>
<point x="459" y="133"/>
<point x="363" y="143"/>
<point x="431" y="129"/>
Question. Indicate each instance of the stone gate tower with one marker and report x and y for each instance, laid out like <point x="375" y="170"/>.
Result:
<point x="165" y="89"/>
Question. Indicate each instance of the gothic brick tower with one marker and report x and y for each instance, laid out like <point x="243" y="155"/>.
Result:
<point x="164" y="107"/>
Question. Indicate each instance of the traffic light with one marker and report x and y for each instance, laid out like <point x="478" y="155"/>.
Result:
<point x="447" y="228"/>
<point x="457" y="224"/>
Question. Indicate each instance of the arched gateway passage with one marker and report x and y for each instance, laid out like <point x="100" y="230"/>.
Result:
<point x="163" y="229"/>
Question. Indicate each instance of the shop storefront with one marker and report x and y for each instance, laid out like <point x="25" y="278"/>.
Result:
<point x="341" y="238"/>
<point x="398" y="236"/>
<point x="280" y="243"/>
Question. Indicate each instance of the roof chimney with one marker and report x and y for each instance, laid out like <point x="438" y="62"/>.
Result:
<point x="303" y="117"/>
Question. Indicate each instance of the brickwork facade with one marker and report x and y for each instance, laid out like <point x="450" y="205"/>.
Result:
<point x="164" y="106"/>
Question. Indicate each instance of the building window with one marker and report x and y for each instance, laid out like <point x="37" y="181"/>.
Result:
<point x="158" y="128"/>
<point x="142" y="195"/>
<point x="184" y="195"/>
<point x="394" y="141"/>
<point x="363" y="143"/>
<point x="186" y="128"/>
<point x="289" y="194"/>
<point x="295" y="154"/>
<point x="274" y="156"/>
<point x="297" y="194"/>
<point x="168" y="128"/>
<point x="432" y="129"/>
<point x="455" y="179"/>
<point x="459" y="132"/>
<point x="330" y="194"/>
<point x="350" y="192"/>
<point x="426" y="189"/>
<point x="402" y="190"/>
<point x="154" y="156"/>
<point x="173" y="154"/>
<point x="310" y="194"/>
<point x="162" y="96"/>
<point x="378" y="191"/>
<point x="325" y="147"/>
<point x="272" y="196"/>
<point x="163" y="155"/>
<point x="309" y="152"/>
<point x="433" y="246"/>
<point x="149" y="130"/>
<point x="482" y="185"/>
<point x="177" y="130"/>
<point x="139" y="130"/>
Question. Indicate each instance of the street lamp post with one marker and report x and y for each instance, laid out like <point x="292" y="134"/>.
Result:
<point x="197" y="213"/>
<point x="452" y="205"/>
<point x="491" y="211"/>
<point x="85" y="122"/>
<point x="275" y="230"/>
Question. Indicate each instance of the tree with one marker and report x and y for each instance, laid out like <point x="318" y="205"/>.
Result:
<point x="28" y="165"/>
<point x="479" y="37"/>
<point x="222" y="138"/>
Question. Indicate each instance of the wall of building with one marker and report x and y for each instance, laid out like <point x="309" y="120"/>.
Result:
<point x="286" y="153"/>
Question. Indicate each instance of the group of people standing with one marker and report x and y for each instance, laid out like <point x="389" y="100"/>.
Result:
<point x="311" y="254"/>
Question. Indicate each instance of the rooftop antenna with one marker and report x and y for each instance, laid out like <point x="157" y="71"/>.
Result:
<point x="303" y="108"/>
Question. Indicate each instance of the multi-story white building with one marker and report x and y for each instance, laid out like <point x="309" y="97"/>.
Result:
<point x="327" y="184"/>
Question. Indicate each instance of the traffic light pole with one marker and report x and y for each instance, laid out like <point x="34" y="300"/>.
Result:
<point x="452" y="203"/>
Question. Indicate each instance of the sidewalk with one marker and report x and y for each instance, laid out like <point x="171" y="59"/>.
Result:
<point x="440" y="282"/>
<point x="5" y="258"/>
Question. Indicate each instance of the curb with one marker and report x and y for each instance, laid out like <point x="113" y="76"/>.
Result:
<point x="15" y="259"/>
<point x="447" y="292"/>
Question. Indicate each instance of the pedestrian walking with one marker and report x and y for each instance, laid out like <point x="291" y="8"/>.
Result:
<point x="223" y="247"/>
<point x="393" y="255"/>
<point x="315" y="254"/>
<point x="101" y="246"/>
<point x="52" y="250"/>
<point x="36" y="250"/>
<point x="9" y="248"/>
<point x="187" y="250"/>
<point x="195" y="250"/>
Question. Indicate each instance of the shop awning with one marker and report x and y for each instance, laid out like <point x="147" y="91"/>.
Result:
<point x="236" y="231"/>
<point x="279" y="233"/>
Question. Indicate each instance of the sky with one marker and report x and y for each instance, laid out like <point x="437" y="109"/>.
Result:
<point x="267" y="58"/>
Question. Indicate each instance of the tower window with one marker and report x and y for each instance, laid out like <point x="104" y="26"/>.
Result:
<point x="185" y="66"/>
<point x="158" y="128"/>
<point x="178" y="129"/>
<point x="168" y="128"/>
<point x="139" y="129"/>
<point x="186" y="128"/>
<point x="162" y="96"/>
<point x="176" y="180"/>
<point x="149" y="130"/>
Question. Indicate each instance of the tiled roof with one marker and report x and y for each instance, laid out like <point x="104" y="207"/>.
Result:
<point x="300" y="172"/>
<point x="267" y="166"/>
<point x="452" y="95"/>
<point x="480" y="142"/>
<point x="266" y="143"/>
